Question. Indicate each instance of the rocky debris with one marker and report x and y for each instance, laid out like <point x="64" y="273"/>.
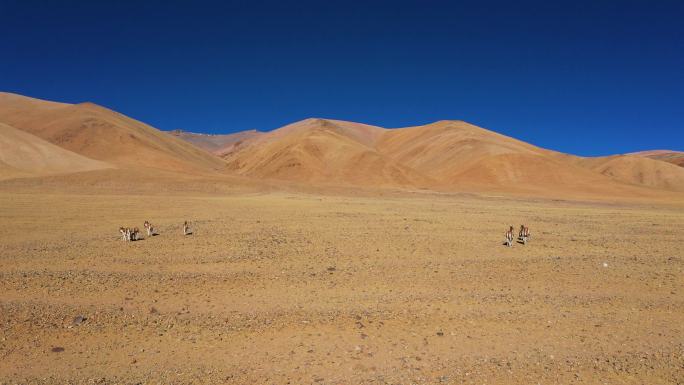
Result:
<point x="79" y="319"/>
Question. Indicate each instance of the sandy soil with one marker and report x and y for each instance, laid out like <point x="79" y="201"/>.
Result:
<point x="303" y="289"/>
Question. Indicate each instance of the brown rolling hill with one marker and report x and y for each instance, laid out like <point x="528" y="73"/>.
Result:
<point x="637" y="170"/>
<point x="456" y="154"/>
<point x="445" y="155"/>
<point x="23" y="154"/>
<point x="442" y="156"/>
<point x="669" y="156"/>
<point x="323" y="151"/>
<point x="99" y="133"/>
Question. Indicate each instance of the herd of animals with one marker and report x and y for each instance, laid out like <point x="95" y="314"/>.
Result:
<point x="133" y="233"/>
<point x="523" y="235"/>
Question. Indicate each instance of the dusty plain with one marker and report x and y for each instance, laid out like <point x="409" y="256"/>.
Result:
<point x="294" y="288"/>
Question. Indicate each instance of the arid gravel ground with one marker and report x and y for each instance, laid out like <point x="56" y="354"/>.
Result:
<point x="302" y="289"/>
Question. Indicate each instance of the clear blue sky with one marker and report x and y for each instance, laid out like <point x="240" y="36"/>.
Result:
<point x="585" y="77"/>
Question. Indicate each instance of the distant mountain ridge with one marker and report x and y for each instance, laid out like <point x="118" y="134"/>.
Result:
<point x="216" y="144"/>
<point x="446" y="155"/>
<point x="49" y="138"/>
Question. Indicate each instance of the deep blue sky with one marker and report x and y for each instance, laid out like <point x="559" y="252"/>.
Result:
<point x="586" y="77"/>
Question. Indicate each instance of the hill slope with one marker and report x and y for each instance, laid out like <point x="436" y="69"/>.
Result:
<point x="99" y="133"/>
<point x="23" y="154"/>
<point x="638" y="171"/>
<point x="674" y="157"/>
<point x="445" y="155"/>
<point x="322" y="151"/>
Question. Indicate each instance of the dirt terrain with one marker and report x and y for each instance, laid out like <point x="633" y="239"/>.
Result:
<point x="293" y="288"/>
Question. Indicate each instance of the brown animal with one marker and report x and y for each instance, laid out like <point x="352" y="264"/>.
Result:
<point x="129" y="234"/>
<point x="509" y="237"/>
<point x="124" y="233"/>
<point x="149" y="228"/>
<point x="524" y="234"/>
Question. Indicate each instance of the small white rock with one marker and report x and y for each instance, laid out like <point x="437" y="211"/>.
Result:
<point x="605" y="264"/>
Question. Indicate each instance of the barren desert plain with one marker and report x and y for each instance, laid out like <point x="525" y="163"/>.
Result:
<point x="354" y="274"/>
<point x="278" y="288"/>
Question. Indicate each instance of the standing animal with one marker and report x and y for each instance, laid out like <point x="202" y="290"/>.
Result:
<point x="149" y="228"/>
<point x="186" y="228"/>
<point x="129" y="234"/>
<point x="524" y="234"/>
<point x="509" y="237"/>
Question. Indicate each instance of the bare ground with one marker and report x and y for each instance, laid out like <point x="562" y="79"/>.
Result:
<point x="305" y="289"/>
